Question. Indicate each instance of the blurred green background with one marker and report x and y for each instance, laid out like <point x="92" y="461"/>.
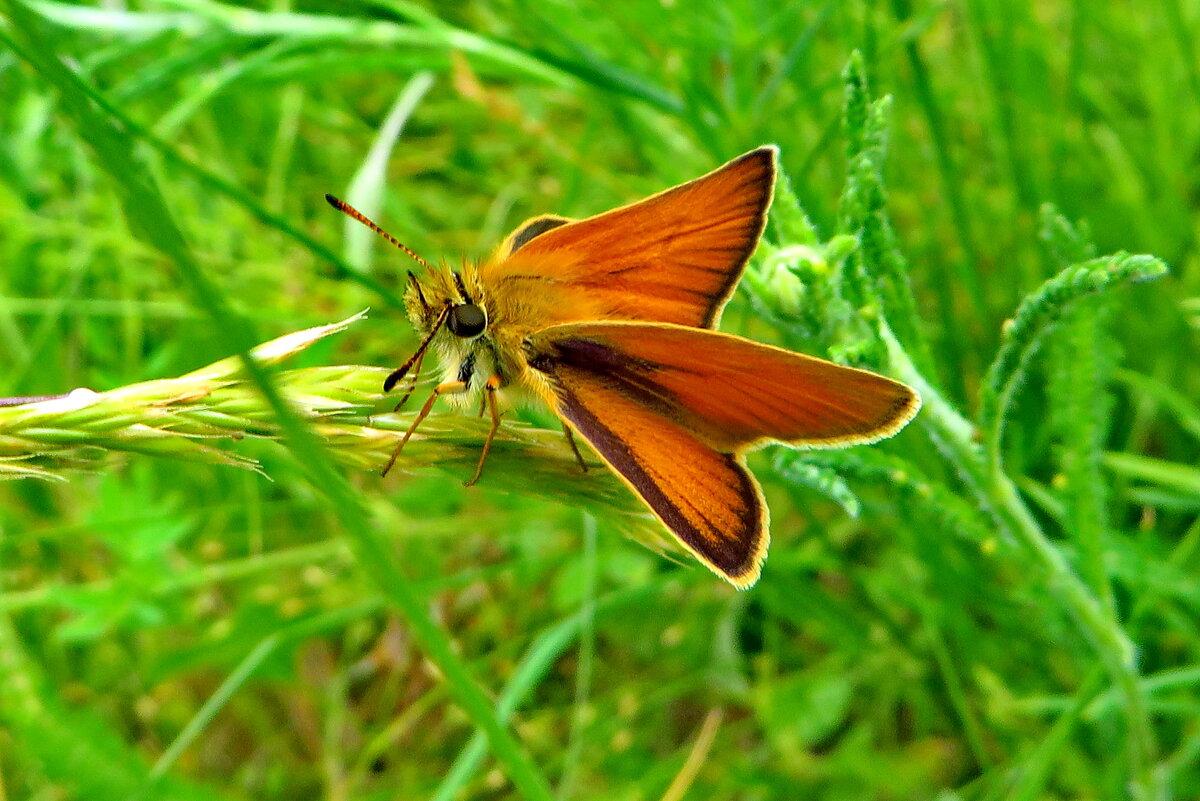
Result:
<point x="189" y="631"/>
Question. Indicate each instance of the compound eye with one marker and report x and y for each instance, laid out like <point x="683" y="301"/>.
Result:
<point x="467" y="320"/>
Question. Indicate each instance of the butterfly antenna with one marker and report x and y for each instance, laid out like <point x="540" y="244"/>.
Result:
<point x="350" y="211"/>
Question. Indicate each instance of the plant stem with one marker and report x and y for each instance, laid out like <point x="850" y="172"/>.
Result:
<point x="995" y="492"/>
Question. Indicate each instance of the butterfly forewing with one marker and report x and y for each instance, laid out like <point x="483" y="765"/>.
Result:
<point x="674" y="257"/>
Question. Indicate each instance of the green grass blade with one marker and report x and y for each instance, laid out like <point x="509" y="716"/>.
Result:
<point x="366" y="188"/>
<point x="142" y="203"/>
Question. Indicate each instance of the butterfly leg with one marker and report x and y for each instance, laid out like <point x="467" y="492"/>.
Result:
<point x="574" y="447"/>
<point x="449" y="388"/>
<point x="412" y="383"/>
<point x="489" y="395"/>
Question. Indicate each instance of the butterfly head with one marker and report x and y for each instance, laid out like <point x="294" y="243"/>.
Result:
<point x="444" y="298"/>
<point x="449" y="310"/>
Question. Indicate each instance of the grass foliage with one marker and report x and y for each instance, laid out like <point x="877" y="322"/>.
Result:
<point x="999" y="603"/>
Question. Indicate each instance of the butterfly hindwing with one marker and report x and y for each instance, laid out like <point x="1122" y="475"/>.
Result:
<point x="527" y="231"/>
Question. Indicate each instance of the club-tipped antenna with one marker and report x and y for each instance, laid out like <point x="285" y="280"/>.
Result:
<point x="350" y="211"/>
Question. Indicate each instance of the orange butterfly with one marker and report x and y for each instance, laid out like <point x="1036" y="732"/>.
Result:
<point x="609" y="322"/>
